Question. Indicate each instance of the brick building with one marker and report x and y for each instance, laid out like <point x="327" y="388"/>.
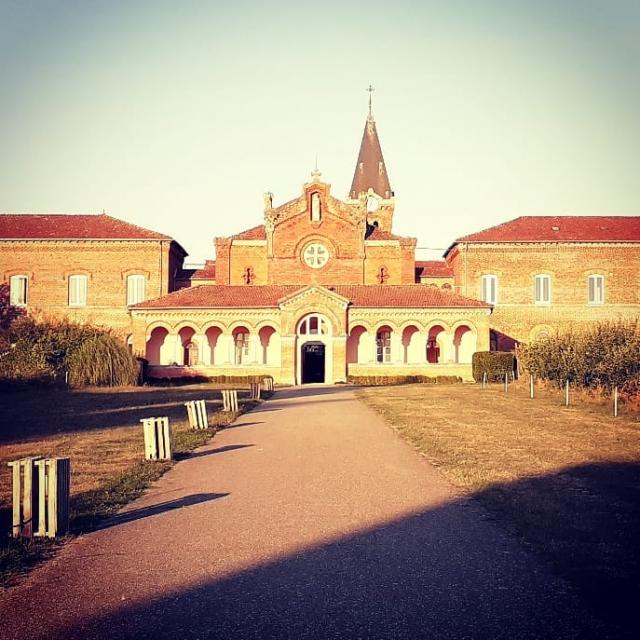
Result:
<point x="547" y="273"/>
<point x="88" y="268"/>
<point x="323" y="288"/>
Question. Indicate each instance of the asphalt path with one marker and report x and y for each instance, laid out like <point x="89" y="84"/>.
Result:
<point x="307" y="518"/>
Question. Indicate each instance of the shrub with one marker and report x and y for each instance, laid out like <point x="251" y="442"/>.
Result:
<point x="604" y="355"/>
<point x="47" y="351"/>
<point x="101" y="360"/>
<point x="494" y="363"/>
<point x="378" y="381"/>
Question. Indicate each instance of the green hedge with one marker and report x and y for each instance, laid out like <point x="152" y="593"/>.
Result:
<point x="378" y="381"/>
<point x="494" y="363"/>
<point x="604" y="355"/>
<point x="222" y="379"/>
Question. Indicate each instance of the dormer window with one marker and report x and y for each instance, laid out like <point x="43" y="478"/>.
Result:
<point x="316" y="213"/>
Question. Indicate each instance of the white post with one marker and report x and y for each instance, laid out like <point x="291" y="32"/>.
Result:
<point x="506" y="382"/>
<point x="531" y="386"/>
<point x="566" y="393"/>
<point x="615" y="401"/>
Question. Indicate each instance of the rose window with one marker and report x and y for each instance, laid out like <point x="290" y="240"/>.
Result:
<point x="315" y="255"/>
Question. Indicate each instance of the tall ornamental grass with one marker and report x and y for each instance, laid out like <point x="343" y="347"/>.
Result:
<point x="53" y="351"/>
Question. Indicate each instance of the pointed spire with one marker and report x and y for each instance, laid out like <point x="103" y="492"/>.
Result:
<point x="371" y="172"/>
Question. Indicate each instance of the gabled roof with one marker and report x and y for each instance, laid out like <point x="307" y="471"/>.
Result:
<point x="413" y="296"/>
<point x="560" y="229"/>
<point x="433" y="269"/>
<point x="208" y="272"/>
<point x="255" y="233"/>
<point x="371" y="171"/>
<point x="61" y="226"/>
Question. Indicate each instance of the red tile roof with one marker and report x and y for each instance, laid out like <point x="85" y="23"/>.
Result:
<point x="561" y="229"/>
<point x="379" y="234"/>
<point x="221" y="296"/>
<point x="433" y="269"/>
<point x="255" y="233"/>
<point x="71" y="227"/>
<point x="208" y="272"/>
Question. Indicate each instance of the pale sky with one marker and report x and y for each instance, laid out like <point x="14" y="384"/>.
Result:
<point x="178" y="115"/>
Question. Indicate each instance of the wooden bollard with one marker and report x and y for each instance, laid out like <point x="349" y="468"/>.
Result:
<point x="230" y="400"/>
<point x="566" y="393"/>
<point x="615" y="401"/>
<point x="54" y="492"/>
<point x="158" y="439"/>
<point x="25" y="493"/>
<point x="254" y="391"/>
<point x="41" y="497"/>
<point x="531" y="387"/>
<point x="197" y="414"/>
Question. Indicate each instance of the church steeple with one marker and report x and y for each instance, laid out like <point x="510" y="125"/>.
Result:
<point x="371" y="172"/>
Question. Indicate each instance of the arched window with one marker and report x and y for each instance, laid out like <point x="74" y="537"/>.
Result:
<point x="135" y="289"/>
<point x="313" y="325"/>
<point x="316" y="212"/>
<point x="18" y="291"/>
<point x="78" y="290"/>
<point x="595" y="287"/>
<point x="542" y="289"/>
<point x="490" y="289"/>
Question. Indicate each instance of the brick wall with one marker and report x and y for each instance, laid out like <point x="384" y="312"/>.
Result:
<point x="568" y="265"/>
<point x="48" y="265"/>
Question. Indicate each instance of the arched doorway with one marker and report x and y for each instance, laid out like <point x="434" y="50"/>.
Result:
<point x="313" y="362"/>
<point x="314" y="356"/>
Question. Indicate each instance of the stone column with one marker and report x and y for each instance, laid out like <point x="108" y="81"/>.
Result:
<point x="254" y="349"/>
<point x="396" y="348"/>
<point x="339" y="359"/>
<point x="288" y="374"/>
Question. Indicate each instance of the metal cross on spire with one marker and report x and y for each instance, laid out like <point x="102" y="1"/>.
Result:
<point x="371" y="89"/>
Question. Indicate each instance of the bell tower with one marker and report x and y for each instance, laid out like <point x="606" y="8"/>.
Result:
<point x="370" y="179"/>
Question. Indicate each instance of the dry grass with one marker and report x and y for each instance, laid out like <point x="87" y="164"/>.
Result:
<point x="565" y="480"/>
<point x="99" y="429"/>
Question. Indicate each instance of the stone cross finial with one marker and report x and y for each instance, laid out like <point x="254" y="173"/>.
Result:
<point x="371" y="89"/>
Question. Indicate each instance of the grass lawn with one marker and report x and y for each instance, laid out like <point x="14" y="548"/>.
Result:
<point x="565" y="480"/>
<point x="100" y="430"/>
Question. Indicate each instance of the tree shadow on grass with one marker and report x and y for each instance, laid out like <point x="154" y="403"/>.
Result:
<point x="445" y="572"/>
<point x="43" y="412"/>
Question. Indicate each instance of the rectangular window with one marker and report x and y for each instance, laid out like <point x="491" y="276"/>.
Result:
<point x="18" y="291"/>
<point x="490" y="289"/>
<point x="542" y="293"/>
<point x="135" y="289"/>
<point x="383" y="346"/>
<point x="78" y="291"/>
<point x="596" y="289"/>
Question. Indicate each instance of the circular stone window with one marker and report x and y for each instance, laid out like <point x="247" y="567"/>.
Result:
<point x="315" y="255"/>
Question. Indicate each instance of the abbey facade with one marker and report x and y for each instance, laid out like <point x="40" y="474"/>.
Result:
<point x="323" y="289"/>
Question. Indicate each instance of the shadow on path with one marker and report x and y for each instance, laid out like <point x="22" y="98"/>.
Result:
<point x="157" y="509"/>
<point x="445" y="572"/>
<point x="202" y="454"/>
